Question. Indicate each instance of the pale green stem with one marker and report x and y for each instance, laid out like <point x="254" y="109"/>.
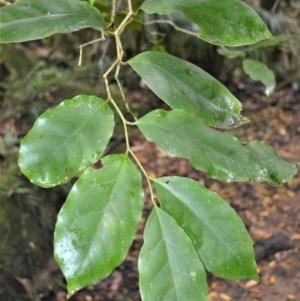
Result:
<point x="152" y="196"/>
<point x="122" y="92"/>
<point x="118" y="63"/>
<point x="189" y="32"/>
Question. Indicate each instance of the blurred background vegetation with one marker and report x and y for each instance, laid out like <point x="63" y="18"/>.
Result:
<point x="40" y="74"/>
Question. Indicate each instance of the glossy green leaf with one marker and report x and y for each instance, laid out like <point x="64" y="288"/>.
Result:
<point x="183" y="85"/>
<point x="182" y="134"/>
<point x="65" y="140"/>
<point x="226" y="22"/>
<point x="169" y="266"/>
<point x="217" y="232"/>
<point x="98" y="222"/>
<point x="279" y="170"/>
<point x="259" y="71"/>
<point x="36" y="19"/>
<point x="274" y="42"/>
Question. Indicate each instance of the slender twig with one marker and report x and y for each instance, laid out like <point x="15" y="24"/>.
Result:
<point x="122" y="92"/>
<point x="89" y="43"/>
<point x="273" y="9"/>
<point x="176" y="27"/>
<point x="131" y="123"/>
<point x="113" y="13"/>
<point x="156" y="33"/>
<point x="117" y="64"/>
<point x="123" y="24"/>
<point x="124" y="124"/>
<point x="105" y="77"/>
<point x="152" y="195"/>
<point x="120" y="53"/>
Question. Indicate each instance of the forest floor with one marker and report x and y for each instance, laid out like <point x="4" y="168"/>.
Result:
<point x="271" y="214"/>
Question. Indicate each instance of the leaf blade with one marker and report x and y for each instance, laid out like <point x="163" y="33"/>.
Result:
<point x="182" y="134"/>
<point x="217" y="232"/>
<point x="98" y="221"/>
<point x="176" y="273"/>
<point x="279" y="170"/>
<point x="31" y="20"/>
<point x="225" y="23"/>
<point x="65" y="140"/>
<point x="183" y="85"/>
<point x="260" y="72"/>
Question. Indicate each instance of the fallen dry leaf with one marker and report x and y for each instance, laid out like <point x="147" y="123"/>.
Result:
<point x="281" y="225"/>
<point x="295" y="237"/>
<point x="212" y="296"/>
<point x="272" y="279"/>
<point x="264" y="213"/>
<point x="272" y="264"/>
<point x="260" y="233"/>
<point x="250" y="283"/>
<point x="215" y="286"/>
<point x="225" y="297"/>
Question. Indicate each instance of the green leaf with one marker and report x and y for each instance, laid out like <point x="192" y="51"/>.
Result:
<point x="277" y="41"/>
<point x="65" y="140"/>
<point x="259" y="71"/>
<point x="279" y="170"/>
<point x="98" y="222"/>
<point x="169" y="266"/>
<point x="31" y="19"/>
<point x="231" y="53"/>
<point x="226" y="22"/>
<point x="182" y="134"/>
<point x="183" y="85"/>
<point x="217" y="232"/>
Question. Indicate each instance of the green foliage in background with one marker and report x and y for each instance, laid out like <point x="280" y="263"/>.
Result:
<point x="190" y="229"/>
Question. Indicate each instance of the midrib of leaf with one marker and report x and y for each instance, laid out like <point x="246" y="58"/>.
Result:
<point x="204" y="99"/>
<point x="168" y="254"/>
<point x="108" y="204"/>
<point x="207" y="149"/>
<point x="192" y="212"/>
